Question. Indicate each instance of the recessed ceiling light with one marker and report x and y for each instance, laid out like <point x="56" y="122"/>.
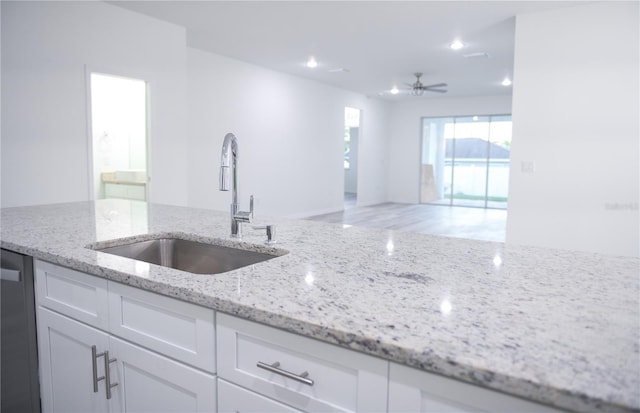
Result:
<point x="311" y="63"/>
<point x="506" y="82"/>
<point x="394" y="91"/>
<point x="456" y="45"/>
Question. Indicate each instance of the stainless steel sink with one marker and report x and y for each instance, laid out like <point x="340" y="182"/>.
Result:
<point x="190" y="256"/>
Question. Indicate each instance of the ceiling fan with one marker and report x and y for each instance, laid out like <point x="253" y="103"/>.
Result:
<point x="417" y="88"/>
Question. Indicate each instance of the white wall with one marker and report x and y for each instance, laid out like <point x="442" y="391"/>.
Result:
<point x="575" y="116"/>
<point x="373" y="151"/>
<point x="405" y="136"/>
<point x="45" y="47"/>
<point x="290" y="133"/>
<point x="290" y="130"/>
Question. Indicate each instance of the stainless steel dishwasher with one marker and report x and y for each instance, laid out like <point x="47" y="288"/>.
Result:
<point x="19" y="385"/>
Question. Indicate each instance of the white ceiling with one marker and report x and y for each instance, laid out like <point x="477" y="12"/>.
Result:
<point x="381" y="43"/>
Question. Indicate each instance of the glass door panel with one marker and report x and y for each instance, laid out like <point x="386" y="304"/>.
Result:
<point x="435" y="177"/>
<point x="470" y="149"/>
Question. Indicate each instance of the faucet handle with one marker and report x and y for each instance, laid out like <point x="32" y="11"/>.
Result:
<point x="245" y="216"/>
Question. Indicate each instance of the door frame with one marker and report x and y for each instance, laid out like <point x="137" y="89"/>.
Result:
<point x="421" y="137"/>
<point x="122" y="73"/>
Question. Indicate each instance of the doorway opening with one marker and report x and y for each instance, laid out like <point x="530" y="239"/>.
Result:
<point x="118" y="137"/>
<point x="465" y="161"/>
<point x="351" y="134"/>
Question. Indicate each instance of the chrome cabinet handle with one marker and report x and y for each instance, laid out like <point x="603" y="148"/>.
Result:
<point x="274" y="368"/>
<point x="94" y="363"/>
<point x="107" y="373"/>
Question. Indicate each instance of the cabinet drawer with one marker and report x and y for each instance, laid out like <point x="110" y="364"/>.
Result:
<point x="419" y="391"/>
<point x="341" y="379"/>
<point x="180" y="330"/>
<point x="73" y="293"/>
<point x="235" y="399"/>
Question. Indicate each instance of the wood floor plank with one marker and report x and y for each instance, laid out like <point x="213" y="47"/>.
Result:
<point x="450" y="221"/>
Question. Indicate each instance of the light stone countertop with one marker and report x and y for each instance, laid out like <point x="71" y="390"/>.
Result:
<point x="558" y="327"/>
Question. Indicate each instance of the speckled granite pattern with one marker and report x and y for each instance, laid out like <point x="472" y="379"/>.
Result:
<point x="558" y="327"/>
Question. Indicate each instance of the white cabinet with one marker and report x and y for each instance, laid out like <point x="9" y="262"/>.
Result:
<point x="148" y="382"/>
<point x="180" y="330"/>
<point x="235" y="399"/>
<point x="76" y="294"/>
<point x="153" y="379"/>
<point x="161" y="354"/>
<point x="297" y="371"/>
<point x="65" y="358"/>
<point x="412" y="390"/>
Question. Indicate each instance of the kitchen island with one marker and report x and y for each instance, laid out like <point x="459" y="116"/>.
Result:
<point x="557" y="327"/>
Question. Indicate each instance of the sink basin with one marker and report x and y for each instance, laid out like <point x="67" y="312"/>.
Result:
<point x="190" y="256"/>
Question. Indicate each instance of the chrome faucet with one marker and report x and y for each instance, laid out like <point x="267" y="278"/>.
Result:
<point x="226" y="168"/>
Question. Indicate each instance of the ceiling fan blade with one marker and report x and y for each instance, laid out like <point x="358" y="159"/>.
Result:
<point x="436" y="85"/>
<point x="436" y="90"/>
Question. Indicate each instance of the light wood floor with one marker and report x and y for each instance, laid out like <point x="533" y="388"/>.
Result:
<point x="460" y="222"/>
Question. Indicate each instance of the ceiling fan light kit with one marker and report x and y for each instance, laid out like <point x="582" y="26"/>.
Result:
<point x="418" y="89"/>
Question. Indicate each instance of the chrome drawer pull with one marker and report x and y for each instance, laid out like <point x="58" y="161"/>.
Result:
<point x="94" y="362"/>
<point x="107" y="373"/>
<point x="274" y="368"/>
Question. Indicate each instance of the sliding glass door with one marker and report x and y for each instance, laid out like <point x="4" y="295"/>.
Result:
<point x="465" y="161"/>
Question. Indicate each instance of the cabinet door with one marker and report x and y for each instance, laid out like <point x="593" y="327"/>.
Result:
<point x="66" y="364"/>
<point x="232" y="398"/>
<point x="412" y="390"/>
<point x="149" y="382"/>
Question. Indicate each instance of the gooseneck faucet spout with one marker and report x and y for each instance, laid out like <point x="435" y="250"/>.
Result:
<point x="229" y="181"/>
<point x="229" y="141"/>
